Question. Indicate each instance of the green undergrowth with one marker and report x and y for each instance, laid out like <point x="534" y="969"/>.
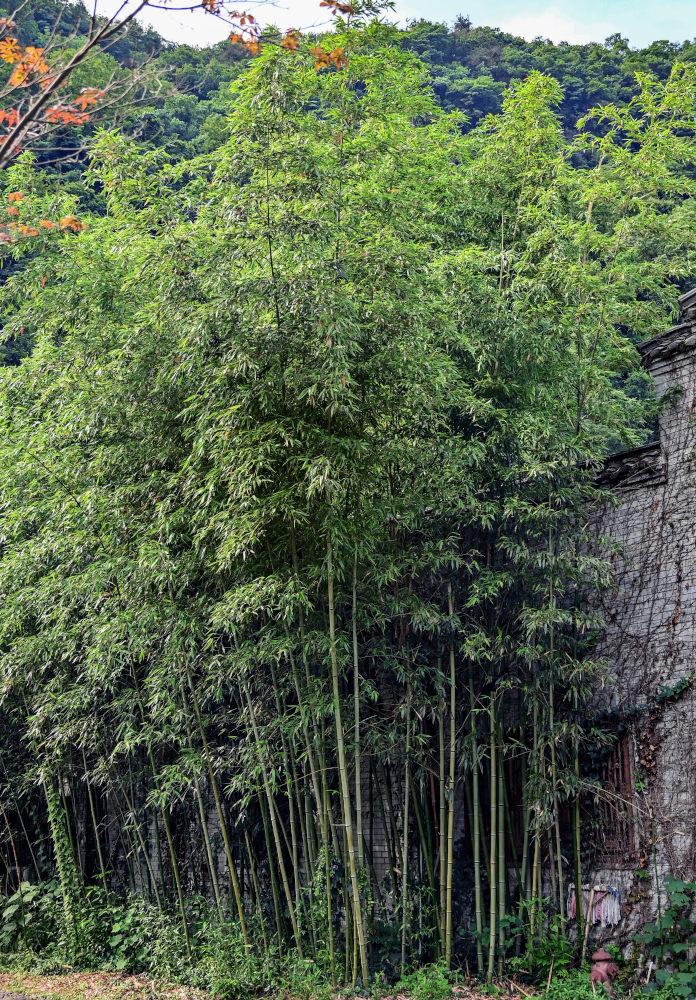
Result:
<point x="131" y="937"/>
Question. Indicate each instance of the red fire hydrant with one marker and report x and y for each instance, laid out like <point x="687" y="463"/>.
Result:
<point x="603" y="970"/>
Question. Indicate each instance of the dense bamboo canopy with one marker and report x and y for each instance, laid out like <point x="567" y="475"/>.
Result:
<point x="296" y="483"/>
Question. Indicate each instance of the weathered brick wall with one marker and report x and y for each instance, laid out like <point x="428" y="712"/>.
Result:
<point x="650" y="638"/>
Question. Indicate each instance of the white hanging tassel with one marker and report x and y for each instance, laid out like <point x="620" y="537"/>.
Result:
<point x="606" y="904"/>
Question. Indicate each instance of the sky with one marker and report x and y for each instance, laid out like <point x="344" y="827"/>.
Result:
<point x="641" y="21"/>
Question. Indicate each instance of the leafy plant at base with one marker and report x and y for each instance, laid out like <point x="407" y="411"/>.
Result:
<point x="429" y="982"/>
<point x="671" y="942"/>
<point x="573" y="986"/>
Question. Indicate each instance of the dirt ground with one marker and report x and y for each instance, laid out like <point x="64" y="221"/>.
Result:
<point x="115" y="986"/>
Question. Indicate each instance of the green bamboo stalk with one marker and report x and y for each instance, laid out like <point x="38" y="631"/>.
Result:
<point x="95" y="825"/>
<point x="525" y="842"/>
<point x="172" y="858"/>
<point x="271" y="868"/>
<point x="404" y="864"/>
<point x="257" y="894"/>
<point x="65" y="863"/>
<point x="203" y="820"/>
<point x="576" y="852"/>
<point x="501" y="852"/>
<point x="343" y="770"/>
<point x="476" y="826"/>
<point x="167" y="827"/>
<point x="356" y="712"/>
<point x="208" y="848"/>
<point x="139" y="837"/>
<point x="329" y="900"/>
<point x="311" y="760"/>
<point x="218" y="806"/>
<point x="556" y="808"/>
<point x="493" y="910"/>
<point x="294" y="849"/>
<point x="274" y="827"/>
<point x="442" y="840"/>
<point x="427" y="856"/>
<point x="450" y="793"/>
<point x="387" y="838"/>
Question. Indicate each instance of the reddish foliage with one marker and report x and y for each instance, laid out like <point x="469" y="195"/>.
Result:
<point x="88" y="97"/>
<point x="64" y="114"/>
<point x="11" y="117"/>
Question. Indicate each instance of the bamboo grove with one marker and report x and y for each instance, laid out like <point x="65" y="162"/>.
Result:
<point x="297" y="483"/>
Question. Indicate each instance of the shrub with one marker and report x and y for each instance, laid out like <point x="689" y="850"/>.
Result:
<point x="429" y="982"/>
<point x="671" y="941"/>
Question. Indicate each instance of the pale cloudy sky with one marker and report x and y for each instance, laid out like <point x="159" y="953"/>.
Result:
<point x="641" y="21"/>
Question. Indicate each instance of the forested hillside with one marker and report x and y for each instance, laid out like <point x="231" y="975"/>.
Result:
<point x="308" y="380"/>
<point x="470" y="67"/>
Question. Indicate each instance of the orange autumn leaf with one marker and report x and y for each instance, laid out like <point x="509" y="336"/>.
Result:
<point x="10" y="50"/>
<point x="31" y="63"/>
<point x="71" y="222"/>
<point x="62" y="114"/>
<point x="47" y="224"/>
<point x="291" y="40"/>
<point x="13" y="211"/>
<point x="87" y="97"/>
<point x="47" y="81"/>
<point x="34" y="57"/>
<point x="321" y="58"/>
<point x="338" y="58"/>
<point x="11" y="117"/>
<point x="15" y="196"/>
<point x="341" y="8"/>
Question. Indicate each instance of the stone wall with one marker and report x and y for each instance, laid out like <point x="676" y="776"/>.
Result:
<point x="650" y="637"/>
